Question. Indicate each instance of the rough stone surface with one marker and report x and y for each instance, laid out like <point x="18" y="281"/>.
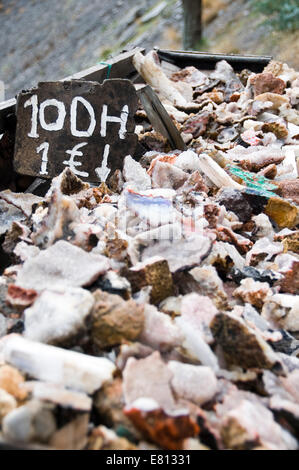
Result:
<point x="115" y="320"/>
<point x="267" y="82"/>
<point x="253" y="292"/>
<point x="148" y="378"/>
<point x="61" y="265"/>
<point x="58" y="316"/>
<point x="242" y="345"/>
<point x="195" y="383"/>
<point x="153" y="272"/>
<point x="234" y="201"/>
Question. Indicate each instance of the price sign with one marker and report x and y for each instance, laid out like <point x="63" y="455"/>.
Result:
<point x="86" y="126"/>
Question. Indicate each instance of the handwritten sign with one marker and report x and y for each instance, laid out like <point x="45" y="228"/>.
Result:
<point x="82" y="125"/>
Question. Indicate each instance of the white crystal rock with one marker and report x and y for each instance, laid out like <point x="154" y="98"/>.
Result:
<point x="135" y="176"/>
<point x="159" y="331"/>
<point x="57" y="315"/>
<point x="61" y="265"/>
<point x="195" y="383"/>
<point x="51" y="364"/>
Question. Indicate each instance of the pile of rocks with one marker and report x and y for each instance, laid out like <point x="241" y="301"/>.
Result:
<point x="161" y="309"/>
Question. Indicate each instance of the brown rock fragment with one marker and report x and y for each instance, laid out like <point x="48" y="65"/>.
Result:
<point x="19" y="297"/>
<point x="282" y="212"/>
<point x="290" y="282"/>
<point x="152" y="272"/>
<point x="242" y="345"/>
<point x="115" y="320"/>
<point x="267" y="82"/>
<point x="253" y="292"/>
<point x="289" y="189"/>
<point x="162" y="429"/>
<point x="11" y="381"/>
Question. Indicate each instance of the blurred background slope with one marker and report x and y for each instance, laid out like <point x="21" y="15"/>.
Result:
<point x="50" y="39"/>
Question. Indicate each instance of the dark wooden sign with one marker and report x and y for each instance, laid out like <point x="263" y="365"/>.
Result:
<point x="83" y="125"/>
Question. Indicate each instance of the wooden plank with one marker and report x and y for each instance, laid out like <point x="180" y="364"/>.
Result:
<point x="205" y="61"/>
<point x="159" y="117"/>
<point x="121" y="67"/>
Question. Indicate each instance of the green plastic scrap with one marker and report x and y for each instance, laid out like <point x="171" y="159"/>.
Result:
<point x="256" y="184"/>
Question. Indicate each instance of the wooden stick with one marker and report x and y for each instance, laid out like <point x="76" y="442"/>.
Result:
<point x="159" y="117"/>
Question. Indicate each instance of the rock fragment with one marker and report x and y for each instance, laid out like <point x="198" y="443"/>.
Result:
<point x="253" y="292"/>
<point x="72" y="369"/>
<point x="152" y="272"/>
<point x="194" y="383"/>
<point x="243" y="346"/>
<point x="61" y="265"/>
<point x="148" y="378"/>
<point x="115" y="320"/>
<point x="159" y="427"/>
<point x="57" y="317"/>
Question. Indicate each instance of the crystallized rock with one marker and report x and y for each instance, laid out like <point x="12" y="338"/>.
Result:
<point x="242" y="345"/>
<point x="159" y="331"/>
<point x="282" y="212"/>
<point x="234" y="201"/>
<point x="19" y="297"/>
<point x="282" y="310"/>
<point x="195" y="383"/>
<point x="152" y="272"/>
<point x="55" y="365"/>
<point x="289" y="189"/>
<point x="199" y="311"/>
<point x="11" y="381"/>
<point x="61" y="265"/>
<point x="115" y="284"/>
<point x="148" y="378"/>
<point x="9" y="214"/>
<point x="7" y="403"/>
<point x="249" y="425"/>
<point x="165" y="175"/>
<point x="267" y="82"/>
<point x="23" y="201"/>
<point x="290" y="281"/>
<point x="183" y="253"/>
<point x="195" y="345"/>
<point x="58" y="395"/>
<point x="115" y="320"/>
<point x="58" y="316"/>
<point x="166" y="430"/>
<point x="32" y="422"/>
<point x="210" y="284"/>
<point x="253" y="292"/>
<point x="135" y="175"/>
<point x="263" y="226"/>
<point x="224" y="256"/>
<point x="275" y="101"/>
<point x="263" y="249"/>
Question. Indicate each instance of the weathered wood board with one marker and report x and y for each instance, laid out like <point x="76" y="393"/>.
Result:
<point x="83" y="125"/>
